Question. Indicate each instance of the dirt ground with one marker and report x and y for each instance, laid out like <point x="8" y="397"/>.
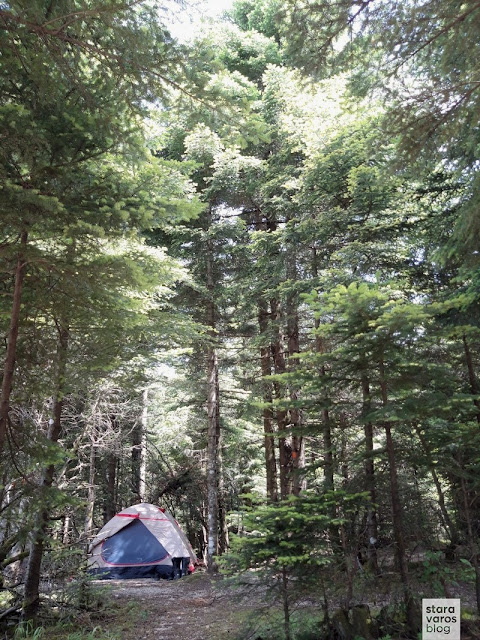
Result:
<point x="199" y="607"/>
<point x="192" y="608"/>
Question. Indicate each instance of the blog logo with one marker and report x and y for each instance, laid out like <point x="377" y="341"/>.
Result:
<point x="441" y="619"/>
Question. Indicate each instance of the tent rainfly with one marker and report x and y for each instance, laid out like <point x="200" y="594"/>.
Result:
<point x="142" y="541"/>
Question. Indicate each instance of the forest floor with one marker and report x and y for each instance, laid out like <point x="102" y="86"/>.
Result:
<point x="192" y="608"/>
<point x="199" y="607"/>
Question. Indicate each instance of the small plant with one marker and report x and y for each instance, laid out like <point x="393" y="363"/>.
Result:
<point x="95" y="634"/>
<point x="466" y="572"/>
<point x="307" y="626"/>
<point x="26" y="631"/>
<point x="436" y="574"/>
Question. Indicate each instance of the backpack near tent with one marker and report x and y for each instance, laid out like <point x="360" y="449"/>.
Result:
<point x="142" y="541"/>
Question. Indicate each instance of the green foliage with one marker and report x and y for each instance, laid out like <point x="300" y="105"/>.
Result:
<point x="250" y="54"/>
<point x="436" y="574"/>
<point x="256" y="16"/>
<point x="290" y="535"/>
<point x="28" y="631"/>
<point x="312" y="210"/>
<point x="305" y="625"/>
<point x="97" y="633"/>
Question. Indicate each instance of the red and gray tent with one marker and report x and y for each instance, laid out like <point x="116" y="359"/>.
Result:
<point x="142" y="541"/>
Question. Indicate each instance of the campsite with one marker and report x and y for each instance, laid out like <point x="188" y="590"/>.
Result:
<point x="239" y="319"/>
<point x="148" y="609"/>
<point x="139" y="542"/>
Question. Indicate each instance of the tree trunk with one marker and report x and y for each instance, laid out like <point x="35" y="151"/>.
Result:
<point x="90" y="492"/>
<point x="213" y="425"/>
<point x="66" y="529"/>
<point x="212" y="455"/>
<point x="397" y="512"/>
<point x="284" y="446"/>
<point x="268" y="427"/>
<point x="266" y="354"/>
<point x="110" y="508"/>
<point x="328" y="466"/>
<point x="11" y="354"/>
<point x="110" y="500"/>
<point x="471" y="376"/>
<point x="447" y="521"/>
<point x="328" y="469"/>
<point x="472" y="541"/>
<point x="293" y="345"/>
<point x="350" y="566"/>
<point x="138" y="452"/>
<point x="32" y="578"/>
<point x="372" y="524"/>
<point x="286" y="604"/>
<point x="328" y="478"/>
<point x="143" y="449"/>
<point x="223" y="541"/>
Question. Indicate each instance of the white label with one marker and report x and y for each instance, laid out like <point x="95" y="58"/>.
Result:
<point x="441" y="619"/>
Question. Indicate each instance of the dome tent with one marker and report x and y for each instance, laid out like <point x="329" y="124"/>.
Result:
<point x="142" y="541"/>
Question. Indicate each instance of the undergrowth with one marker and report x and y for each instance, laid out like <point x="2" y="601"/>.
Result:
<point x="101" y="620"/>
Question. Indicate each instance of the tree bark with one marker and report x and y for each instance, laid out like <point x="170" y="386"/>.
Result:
<point x="328" y="466"/>
<point x="471" y="376"/>
<point x="286" y="604"/>
<point x="66" y="529"/>
<point x="471" y="539"/>
<point x="372" y="524"/>
<point x="223" y="541"/>
<point x="90" y="492"/>
<point x="212" y="455"/>
<point x="328" y="469"/>
<point x="138" y="452"/>
<point x="110" y="508"/>
<point x="142" y="481"/>
<point x="110" y="500"/>
<point x="397" y="511"/>
<point x="284" y="446"/>
<point x="447" y="521"/>
<point x="11" y="354"/>
<point x="293" y="345"/>
<point x="268" y="426"/>
<point x="266" y="352"/>
<point x="32" y="578"/>
<point x="213" y="425"/>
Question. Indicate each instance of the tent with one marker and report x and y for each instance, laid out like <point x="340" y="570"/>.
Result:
<point x="142" y="541"/>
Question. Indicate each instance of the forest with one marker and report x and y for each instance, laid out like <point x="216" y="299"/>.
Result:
<point x="240" y="280"/>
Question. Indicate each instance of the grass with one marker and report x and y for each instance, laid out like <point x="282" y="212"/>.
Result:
<point x="113" y="622"/>
<point x="268" y="623"/>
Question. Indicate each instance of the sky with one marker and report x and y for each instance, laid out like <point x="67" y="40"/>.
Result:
<point x="190" y="17"/>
